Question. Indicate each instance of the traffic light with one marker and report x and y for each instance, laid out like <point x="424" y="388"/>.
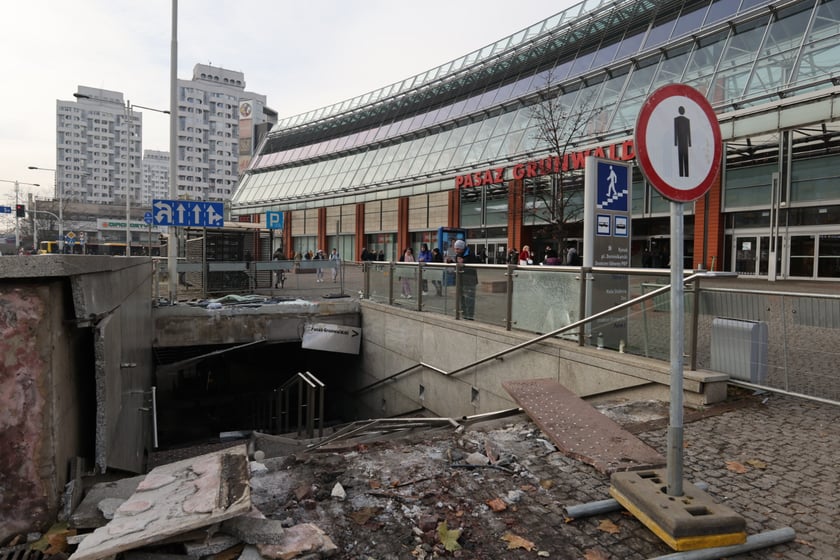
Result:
<point x="20" y="210"/>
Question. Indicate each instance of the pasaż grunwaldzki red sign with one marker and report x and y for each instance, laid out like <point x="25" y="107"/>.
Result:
<point x="546" y="166"/>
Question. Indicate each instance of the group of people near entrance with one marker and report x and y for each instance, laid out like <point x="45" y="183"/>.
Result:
<point x="460" y="255"/>
<point x="549" y="257"/>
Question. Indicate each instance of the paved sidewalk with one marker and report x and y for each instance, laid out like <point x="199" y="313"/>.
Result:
<point x="775" y="461"/>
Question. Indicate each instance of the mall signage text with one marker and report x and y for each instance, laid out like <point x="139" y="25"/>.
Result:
<point x="546" y="166"/>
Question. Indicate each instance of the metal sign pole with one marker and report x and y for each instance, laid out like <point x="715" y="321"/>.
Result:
<point x="675" y="429"/>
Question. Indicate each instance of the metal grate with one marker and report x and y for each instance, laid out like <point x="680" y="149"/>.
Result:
<point x="20" y="552"/>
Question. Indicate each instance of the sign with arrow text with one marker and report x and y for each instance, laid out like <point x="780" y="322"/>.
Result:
<point x="332" y="338"/>
<point x="190" y="213"/>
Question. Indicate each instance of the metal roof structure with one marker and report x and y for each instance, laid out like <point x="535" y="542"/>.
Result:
<point x="602" y="58"/>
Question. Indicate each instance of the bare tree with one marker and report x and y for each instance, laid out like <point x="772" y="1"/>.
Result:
<point x="556" y="198"/>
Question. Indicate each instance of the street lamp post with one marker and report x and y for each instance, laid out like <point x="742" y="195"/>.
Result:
<point x="129" y="124"/>
<point x="17" y="185"/>
<point x="59" y="193"/>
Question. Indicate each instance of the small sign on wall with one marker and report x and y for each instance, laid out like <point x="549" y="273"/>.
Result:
<point x="332" y="338"/>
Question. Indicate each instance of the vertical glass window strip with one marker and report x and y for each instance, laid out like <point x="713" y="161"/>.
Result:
<point x="738" y="58"/>
<point x="608" y="100"/>
<point x="822" y="50"/>
<point x="721" y="10"/>
<point x="471" y="207"/>
<point x="672" y="66"/>
<point x="660" y="32"/>
<point x="688" y="22"/>
<point x="496" y="205"/>
<point x="815" y="179"/>
<point x="631" y="43"/>
<point x="703" y="62"/>
<point x="748" y="186"/>
<point x="778" y="54"/>
<point x="638" y="88"/>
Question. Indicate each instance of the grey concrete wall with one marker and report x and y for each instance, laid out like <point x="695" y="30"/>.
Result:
<point x="67" y="325"/>
<point x="395" y="339"/>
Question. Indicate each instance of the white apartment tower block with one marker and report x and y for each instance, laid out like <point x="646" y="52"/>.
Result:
<point x="155" y="176"/>
<point x="99" y="145"/>
<point x="208" y="132"/>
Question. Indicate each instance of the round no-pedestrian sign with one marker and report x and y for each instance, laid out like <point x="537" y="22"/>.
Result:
<point x="678" y="142"/>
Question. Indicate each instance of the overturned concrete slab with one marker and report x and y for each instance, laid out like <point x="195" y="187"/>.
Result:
<point x="580" y="431"/>
<point x="174" y="499"/>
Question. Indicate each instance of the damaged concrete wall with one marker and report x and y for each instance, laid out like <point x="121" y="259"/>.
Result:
<point x="396" y="339"/>
<point x="51" y="310"/>
<point x="32" y="459"/>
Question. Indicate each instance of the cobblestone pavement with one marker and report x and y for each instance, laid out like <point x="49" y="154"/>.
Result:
<point x="789" y="451"/>
<point x="772" y="458"/>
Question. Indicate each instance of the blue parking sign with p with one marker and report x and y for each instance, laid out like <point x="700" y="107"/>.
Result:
<point x="274" y="220"/>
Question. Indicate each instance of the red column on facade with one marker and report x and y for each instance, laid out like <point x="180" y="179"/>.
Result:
<point x="516" y="201"/>
<point x="713" y="232"/>
<point x="360" y="230"/>
<point x="403" y="237"/>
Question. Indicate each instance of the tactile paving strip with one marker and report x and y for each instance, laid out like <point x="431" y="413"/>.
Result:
<point x="580" y="431"/>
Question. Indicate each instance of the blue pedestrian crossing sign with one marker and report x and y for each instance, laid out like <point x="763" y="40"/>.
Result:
<point x="188" y="213"/>
<point x="613" y="189"/>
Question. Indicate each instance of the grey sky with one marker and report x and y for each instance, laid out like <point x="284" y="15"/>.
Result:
<point x="300" y="54"/>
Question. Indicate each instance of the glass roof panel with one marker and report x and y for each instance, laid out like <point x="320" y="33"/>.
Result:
<point x="660" y="32"/>
<point x="721" y="9"/>
<point x="689" y="22"/>
<point x="744" y="42"/>
<point x="819" y="58"/>
<point x="778" y="54"/>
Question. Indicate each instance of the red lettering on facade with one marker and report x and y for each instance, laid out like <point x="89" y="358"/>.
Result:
<point x="545" y="166"/>
<point x="579" y="159"/>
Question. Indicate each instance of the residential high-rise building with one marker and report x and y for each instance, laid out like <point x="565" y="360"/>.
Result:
<point x="98" y="148"/>
<point x="209" y="111"/>
<point x="99" y="145"/>
<point x="155" y="175"/>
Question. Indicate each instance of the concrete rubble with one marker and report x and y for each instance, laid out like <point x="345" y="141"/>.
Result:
<point x="200" y="507"/>
<point x="491" y="488"/>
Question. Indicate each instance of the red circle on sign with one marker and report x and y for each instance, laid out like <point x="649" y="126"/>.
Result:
<point x="643" y="154"/>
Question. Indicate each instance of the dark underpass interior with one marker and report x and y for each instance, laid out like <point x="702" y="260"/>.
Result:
<point x="204" y="392"/>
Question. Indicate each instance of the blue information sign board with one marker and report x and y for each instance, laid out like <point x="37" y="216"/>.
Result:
<point x="274" y="220"/>
<point x="188" y="213"/>
<point x="5" y="209"/>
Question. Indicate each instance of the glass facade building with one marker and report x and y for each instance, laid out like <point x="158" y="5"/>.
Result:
<point x="458" y="145"/>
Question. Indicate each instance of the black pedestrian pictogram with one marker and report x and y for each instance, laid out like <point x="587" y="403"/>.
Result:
<point x="682" y="140"/>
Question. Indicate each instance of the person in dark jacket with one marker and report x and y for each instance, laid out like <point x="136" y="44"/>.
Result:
<point x="469" y="279"/>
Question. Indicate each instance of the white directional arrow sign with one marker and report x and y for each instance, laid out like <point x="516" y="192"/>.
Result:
<point x="188" y="213"/>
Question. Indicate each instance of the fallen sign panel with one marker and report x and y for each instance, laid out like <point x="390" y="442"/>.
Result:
<point x="579" y="430"/>
<point x="173" y="499"/>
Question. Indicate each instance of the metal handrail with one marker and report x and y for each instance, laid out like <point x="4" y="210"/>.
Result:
<point x="313" y="385"/>
<point x="696" y="276"/>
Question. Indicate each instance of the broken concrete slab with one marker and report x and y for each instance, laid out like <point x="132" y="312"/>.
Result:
<point x="579" y="430"/>
<point x="174" y="499"/>
<point x="305" y="538"/>
<point x="88" y="515"/>
<point x="254" y="528"/>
